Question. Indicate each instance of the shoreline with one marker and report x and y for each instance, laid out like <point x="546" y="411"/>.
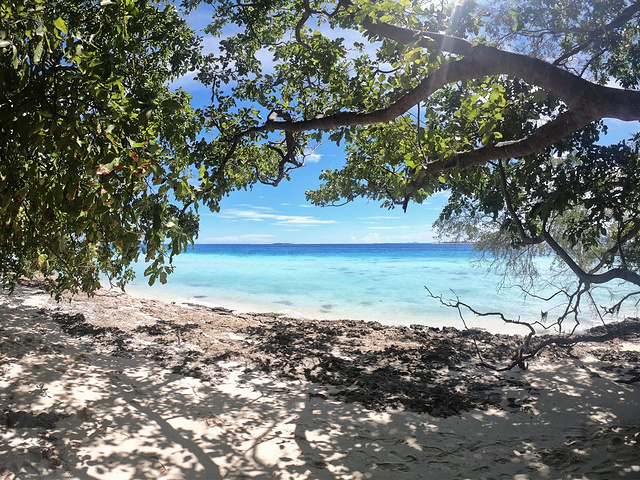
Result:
<point x="502" y="328"/>
<point x="138" y="388"/>
<point x="319" y="283"/>
<point x="493" y="326"/>
<point x="375" y="283"/>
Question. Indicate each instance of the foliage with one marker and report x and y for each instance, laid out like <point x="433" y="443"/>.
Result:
<point x="94" y="146"/>
<point x="499" y="102"/>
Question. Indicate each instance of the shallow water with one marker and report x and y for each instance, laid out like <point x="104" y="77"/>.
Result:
<point x="382" y="282"/>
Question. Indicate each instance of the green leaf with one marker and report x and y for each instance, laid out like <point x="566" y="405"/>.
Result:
<point x="540" y="96"/>
<point x="409" y="162"/>
<point x="61" y="25"/>
<point x="38" y="51"/>
<point x="171" y="105"/>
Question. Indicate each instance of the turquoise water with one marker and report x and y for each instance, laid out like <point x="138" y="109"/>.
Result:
<point x="382" y="282"/>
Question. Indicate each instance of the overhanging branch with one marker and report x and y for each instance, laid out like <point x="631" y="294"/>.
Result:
<point x="542" y="137"/>
<point x="590" y="278"/>
<point x="479" y="61"/>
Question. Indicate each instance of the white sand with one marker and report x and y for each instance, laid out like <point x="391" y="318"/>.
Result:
<point x="127" y="418"/>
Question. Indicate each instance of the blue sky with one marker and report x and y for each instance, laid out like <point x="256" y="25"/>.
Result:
<point x="269" y="214"/>
<point x="281" y="214"/>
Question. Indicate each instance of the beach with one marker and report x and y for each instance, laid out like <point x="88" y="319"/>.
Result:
<point x="122" y="387"/>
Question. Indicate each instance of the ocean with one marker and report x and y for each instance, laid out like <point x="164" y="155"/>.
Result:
<point x="380" y="282"/>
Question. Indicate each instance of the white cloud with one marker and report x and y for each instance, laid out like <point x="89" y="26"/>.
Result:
<point x="258" y="214"/>
<point x="442" y="194"/>
<point x="312" y="157"/>
<point x="240" y="239"/>
<point x="426" y="236"/>
<point x="300" y="220"/>
<point x="188" y="83"/>
<point x="256" y="207"/>
<point x="382" y="218"/>
<point x="370" y="238"/>
<point x="389" y="228"/>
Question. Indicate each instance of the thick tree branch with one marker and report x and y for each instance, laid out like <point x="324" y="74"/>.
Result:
<point x="464" y="69"/>
<point x="570" y="88"/>
<point x="480" y="61"/>
<point x="541" y="138"/>
<point x="587" y="278"/>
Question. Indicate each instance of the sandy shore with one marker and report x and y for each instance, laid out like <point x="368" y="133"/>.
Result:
<point x="126" y="388"/>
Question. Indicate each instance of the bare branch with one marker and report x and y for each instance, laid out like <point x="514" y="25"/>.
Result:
<point x="600" y="334"/>
<point x="528" y="349"/>
<point x="615" y="309"/>
<point x="459" y="305"/>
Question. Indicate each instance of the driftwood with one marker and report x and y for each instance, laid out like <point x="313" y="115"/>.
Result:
<point x="533" y="343"/>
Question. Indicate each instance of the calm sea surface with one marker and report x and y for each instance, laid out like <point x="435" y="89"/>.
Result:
<point x="382" y="282"/>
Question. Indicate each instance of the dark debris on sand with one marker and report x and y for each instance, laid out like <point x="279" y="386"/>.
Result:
<point x="417" y="368"/>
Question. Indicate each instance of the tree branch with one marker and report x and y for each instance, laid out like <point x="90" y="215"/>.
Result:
<point x="542" y="137"/>
<point x="617" y="247"/>
<point x="598" y="334"/>
<point x="526" y="239"/>
<point x="626" y="15"/>
<point x="481" y="61"/>
<point x="570" y="88"/>
<point x="585" y="277"/>
<point x="615" y="309"/>
<point x="528" y="350"/>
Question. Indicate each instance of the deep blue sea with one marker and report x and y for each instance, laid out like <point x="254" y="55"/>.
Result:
<point x="382" y="282"/>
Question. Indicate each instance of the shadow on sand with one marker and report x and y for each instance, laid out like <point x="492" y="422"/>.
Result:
<point x="128" y="417"/>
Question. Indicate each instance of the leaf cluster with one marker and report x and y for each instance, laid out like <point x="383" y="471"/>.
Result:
<point x="94" y="147"/>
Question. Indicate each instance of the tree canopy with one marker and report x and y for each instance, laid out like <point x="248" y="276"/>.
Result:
<point x="499" y="102"/>
<point x="502" y="103"/>
<point x="94" y="146"/>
